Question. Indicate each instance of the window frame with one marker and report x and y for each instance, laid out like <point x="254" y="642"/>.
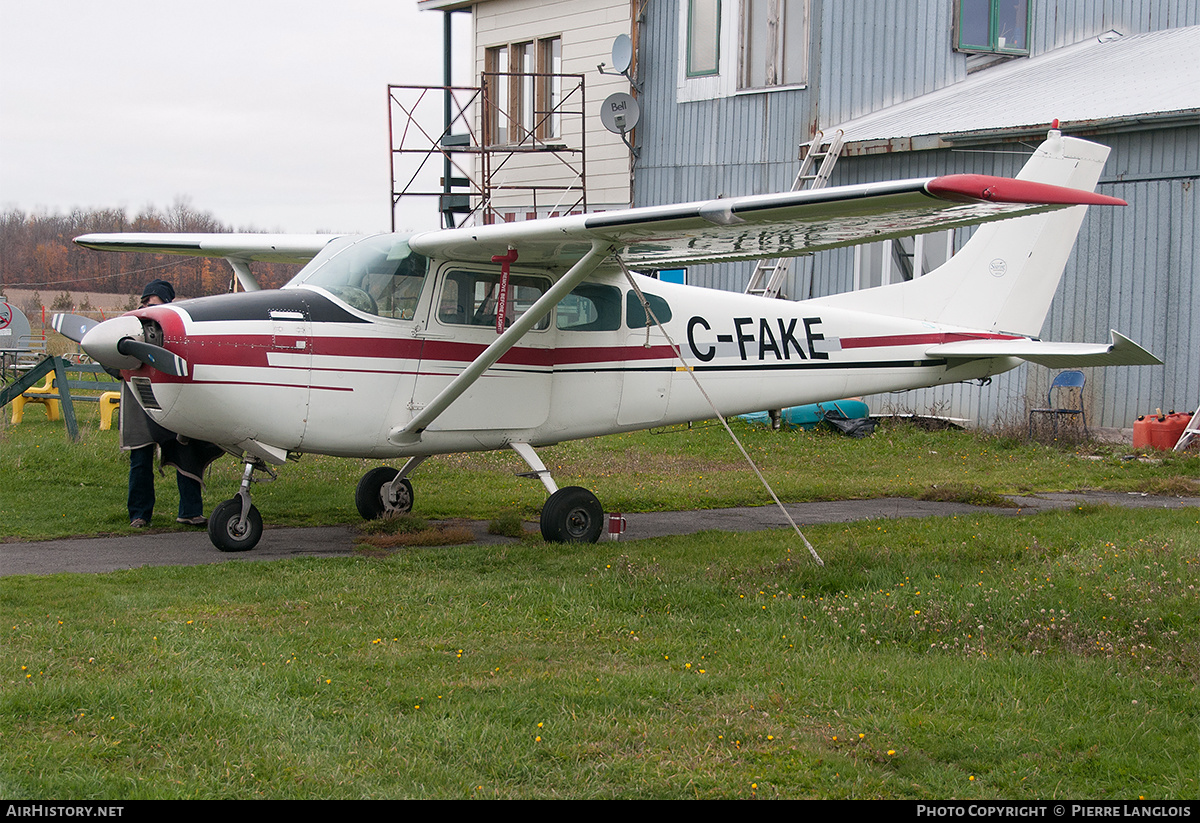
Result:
<point x="994" y="17"/>
<point x="729" y="79"/>
<point x="526" y="91"/>
<point x="496" y="119"/>
<point x="547" y="117"/>
<point x="712" y="7"/>
<point x="875" y="263"/>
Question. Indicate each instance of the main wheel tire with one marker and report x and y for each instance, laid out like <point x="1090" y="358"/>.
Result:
<point x="368" y="497"/>
<point x="572" y="515"/>
<point x="223" y="529"/>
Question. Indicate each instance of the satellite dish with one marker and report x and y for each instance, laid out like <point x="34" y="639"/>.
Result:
<point x="622" y="53"/>
<point x="622" y="58"/>
<point x="620" y="112"/>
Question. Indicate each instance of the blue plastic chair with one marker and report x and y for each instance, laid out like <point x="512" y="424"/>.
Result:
<point x="1063" y="381"/>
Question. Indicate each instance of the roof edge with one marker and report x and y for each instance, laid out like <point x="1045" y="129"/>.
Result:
<point x="930" y="142"/>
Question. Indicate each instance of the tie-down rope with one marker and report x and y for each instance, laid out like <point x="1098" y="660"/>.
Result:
<point x="716" y="412"/>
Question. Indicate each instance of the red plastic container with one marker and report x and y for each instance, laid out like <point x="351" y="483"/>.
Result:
<point x="1159" y="431"/>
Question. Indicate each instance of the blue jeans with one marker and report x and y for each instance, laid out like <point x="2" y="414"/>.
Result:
<point x="141" y="488"/>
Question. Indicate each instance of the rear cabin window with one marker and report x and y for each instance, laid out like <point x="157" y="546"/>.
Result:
<point x="590" y="307"/>
<point x="637" y="315"/>
<point x="470" y="298"/>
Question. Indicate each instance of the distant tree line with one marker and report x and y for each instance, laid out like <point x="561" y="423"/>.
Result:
<point x="37" y="252"/>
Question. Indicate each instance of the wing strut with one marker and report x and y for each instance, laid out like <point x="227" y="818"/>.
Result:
<point x="411" y="431"/>
<point x="241" y="270"/>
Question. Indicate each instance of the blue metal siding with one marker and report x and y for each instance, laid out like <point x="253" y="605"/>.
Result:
<point x="1135" y="270"/>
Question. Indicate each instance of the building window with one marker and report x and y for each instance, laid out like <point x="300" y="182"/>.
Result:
<point x="905" y="258"/>
<point x="703" y="38"/>
<point x="729" y="47"/>
<point x="992" y="26"/>
<point x="550" y="88"/>
<point x="523" y="91"/>
<point x="774" y="43"/>
<point x="496" y="118"/>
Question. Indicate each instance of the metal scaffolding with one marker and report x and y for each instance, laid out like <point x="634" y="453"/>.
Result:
<point x="496" y="157"/>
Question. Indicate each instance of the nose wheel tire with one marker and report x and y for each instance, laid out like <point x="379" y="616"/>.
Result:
<point x="227" y="533"/>
<point x="572" y="515"/>
<point x="370" y="496"/>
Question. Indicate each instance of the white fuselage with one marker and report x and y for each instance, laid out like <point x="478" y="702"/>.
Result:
<point x="299" y="371"/>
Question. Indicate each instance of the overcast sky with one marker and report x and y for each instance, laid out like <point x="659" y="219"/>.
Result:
<point x="269" y="114"/>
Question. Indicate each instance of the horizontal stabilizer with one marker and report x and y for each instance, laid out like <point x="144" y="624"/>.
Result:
<point x="1121" y="352"/>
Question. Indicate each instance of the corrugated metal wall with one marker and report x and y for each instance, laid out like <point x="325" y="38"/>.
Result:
<point x="1135" y="270"/>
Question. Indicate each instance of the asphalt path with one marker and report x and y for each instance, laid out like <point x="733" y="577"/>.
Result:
<point x="175" y="547"/>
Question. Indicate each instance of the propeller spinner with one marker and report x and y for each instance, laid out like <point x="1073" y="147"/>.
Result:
<point x="120" y="343"/>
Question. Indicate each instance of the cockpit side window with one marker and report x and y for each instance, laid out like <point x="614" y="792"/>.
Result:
<point x="470" y="298"/>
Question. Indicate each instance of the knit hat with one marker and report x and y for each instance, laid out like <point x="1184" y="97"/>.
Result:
<point x="164" y="290"/>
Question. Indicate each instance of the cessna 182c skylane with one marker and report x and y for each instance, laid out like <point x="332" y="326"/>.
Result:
<point x="526" y="334"/>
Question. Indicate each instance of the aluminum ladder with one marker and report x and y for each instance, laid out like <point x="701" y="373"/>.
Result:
<point x="769" y="275"/>
<point x="1192" y="430"/>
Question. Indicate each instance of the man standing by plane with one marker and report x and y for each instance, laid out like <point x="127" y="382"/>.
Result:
<point x="141" y="436"/>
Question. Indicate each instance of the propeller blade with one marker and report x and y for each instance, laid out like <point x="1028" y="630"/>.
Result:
<point x="73" y="326"/>
<point x="155" y="356"/>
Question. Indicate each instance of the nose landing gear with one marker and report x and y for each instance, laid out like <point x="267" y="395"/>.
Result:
<point x="235" y="524"/>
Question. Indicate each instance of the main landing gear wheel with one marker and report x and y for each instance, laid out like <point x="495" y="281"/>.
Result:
<point x="372" y="499"/>
<point x="572" y="515"/>
<point x="228" y="533"/>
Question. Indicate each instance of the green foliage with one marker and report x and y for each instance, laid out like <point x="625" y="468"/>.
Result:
<point x="981" y="657"/>
<point x="508" y="525"/>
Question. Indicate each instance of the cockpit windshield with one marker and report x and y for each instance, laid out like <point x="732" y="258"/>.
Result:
<point x="378" y="275"/>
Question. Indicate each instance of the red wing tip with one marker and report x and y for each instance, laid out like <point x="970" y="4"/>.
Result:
<point x="975" y="187"/>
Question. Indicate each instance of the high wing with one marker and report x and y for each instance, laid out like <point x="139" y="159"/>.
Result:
<point x="725" y="229"/>
<point x="266" y="248"/>
<point x="761" y="226"/>
<point x="1121" y="352"/>
<point x="239" y="250"/>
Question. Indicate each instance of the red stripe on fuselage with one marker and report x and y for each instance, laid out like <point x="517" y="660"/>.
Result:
<point x="252" y="350"/>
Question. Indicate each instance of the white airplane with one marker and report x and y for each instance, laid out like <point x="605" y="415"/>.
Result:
<point x="526" y="334"/>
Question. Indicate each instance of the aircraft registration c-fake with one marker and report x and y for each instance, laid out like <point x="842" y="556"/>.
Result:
<point x="526" y="334"/>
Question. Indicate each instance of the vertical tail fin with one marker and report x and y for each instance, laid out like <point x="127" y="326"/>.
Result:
<point x="1005" y="276"/>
